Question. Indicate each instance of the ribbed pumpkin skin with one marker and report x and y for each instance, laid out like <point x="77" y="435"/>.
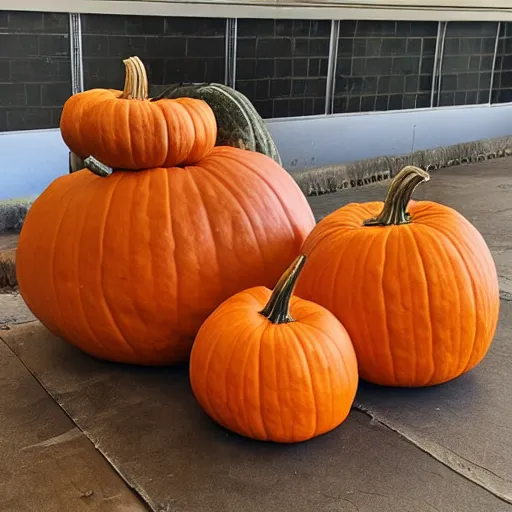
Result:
<point x="137" y="134"/>
<point x="284" y="383"/>
<point x="420" y="301"/>
<point x="128" y="267"/>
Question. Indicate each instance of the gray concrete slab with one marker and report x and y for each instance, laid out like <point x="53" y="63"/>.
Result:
<point x="46" y="463"/>
<point x="466" y="423"/>
<point x="148" y="425"/>
<point x="13" y="310"/>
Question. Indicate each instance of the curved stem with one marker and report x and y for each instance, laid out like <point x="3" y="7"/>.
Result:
<point x="398" y="197"/>
<point x="136" y="81"/>
<point x="277" y="309"/>
<point x="97" y="167"/>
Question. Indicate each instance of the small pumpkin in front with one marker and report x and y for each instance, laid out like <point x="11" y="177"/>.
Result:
<point x="413" y="282"/>
<point x="274" y="367"/>
<point x="125" y="129"/>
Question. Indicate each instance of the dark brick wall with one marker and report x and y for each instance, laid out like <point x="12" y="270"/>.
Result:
<point x="35" y="74"/>
<point x="281" y="65"/>
<point x="502" y="86"/>
<point x="173" y="49"/>
<point x="384" y="65"/>
<point x="467" y="63"/>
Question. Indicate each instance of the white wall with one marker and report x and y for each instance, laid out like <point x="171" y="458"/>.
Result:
<point x="32" y="159"/>
<point x="308" y="142"/>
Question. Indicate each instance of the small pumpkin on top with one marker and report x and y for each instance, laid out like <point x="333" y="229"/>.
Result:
<point x="274" y="367"/>
<point x="238" y="123"/>
<point x="414" y="283"/>
<point x="124" y="129"/>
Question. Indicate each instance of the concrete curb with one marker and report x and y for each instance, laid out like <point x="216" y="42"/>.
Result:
<point x="330" y="178"/>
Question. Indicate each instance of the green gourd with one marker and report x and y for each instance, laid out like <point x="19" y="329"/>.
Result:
<point x="239" y="124"/>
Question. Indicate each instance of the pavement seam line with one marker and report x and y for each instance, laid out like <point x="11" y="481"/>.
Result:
<point x="139" y="493"/>
<point x="469" y="470"/>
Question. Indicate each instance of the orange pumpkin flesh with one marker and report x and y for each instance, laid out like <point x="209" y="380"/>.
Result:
<point x="125" y="129"/>
<point x="417" y="290"/>
<point x="273" y="369"/>
<point x="128" y="267"/>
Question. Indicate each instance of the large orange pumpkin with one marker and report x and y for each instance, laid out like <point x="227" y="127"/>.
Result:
<point x="271" y="369"/>
<point x="125" y="129"/>
<point x="414" y="283"/>
<point x="127" y="267"/>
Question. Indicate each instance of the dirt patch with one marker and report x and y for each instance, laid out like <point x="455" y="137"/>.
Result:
<point x="8" y="280"/>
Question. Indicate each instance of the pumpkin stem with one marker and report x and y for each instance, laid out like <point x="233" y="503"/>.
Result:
<point x="277" y="309"/>
<point x="398" y="197"/>
<point x="97" y="167"/>
<point x="136" y="81"/>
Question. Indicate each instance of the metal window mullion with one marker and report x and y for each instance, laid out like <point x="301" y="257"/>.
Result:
<point x="438" y="64"/>
<point x="494" y="58"/>
<point x="331" y="67"/>
<point x="77" y="63"/>
<point x="230" y="52"/>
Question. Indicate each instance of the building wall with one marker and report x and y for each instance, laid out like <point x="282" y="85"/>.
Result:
<point x="288" y="68"/>
<point x="384" y="65"/>
<point x="173" y="49"/>
<point x="281" y="65"/>
<point x="330" y="91"/>
<point x="502" y="86"/>
<point x="35" y="73"/>
<point x="467" y="64"/>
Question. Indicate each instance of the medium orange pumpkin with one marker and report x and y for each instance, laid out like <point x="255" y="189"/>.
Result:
<point x="125" y="129"/>
<point x="274" y="369"/>
<point x="127" y="267"/>
<point x="414" y="283"/>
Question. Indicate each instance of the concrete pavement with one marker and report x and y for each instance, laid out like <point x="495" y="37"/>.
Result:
<point x="444" y="449"/>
